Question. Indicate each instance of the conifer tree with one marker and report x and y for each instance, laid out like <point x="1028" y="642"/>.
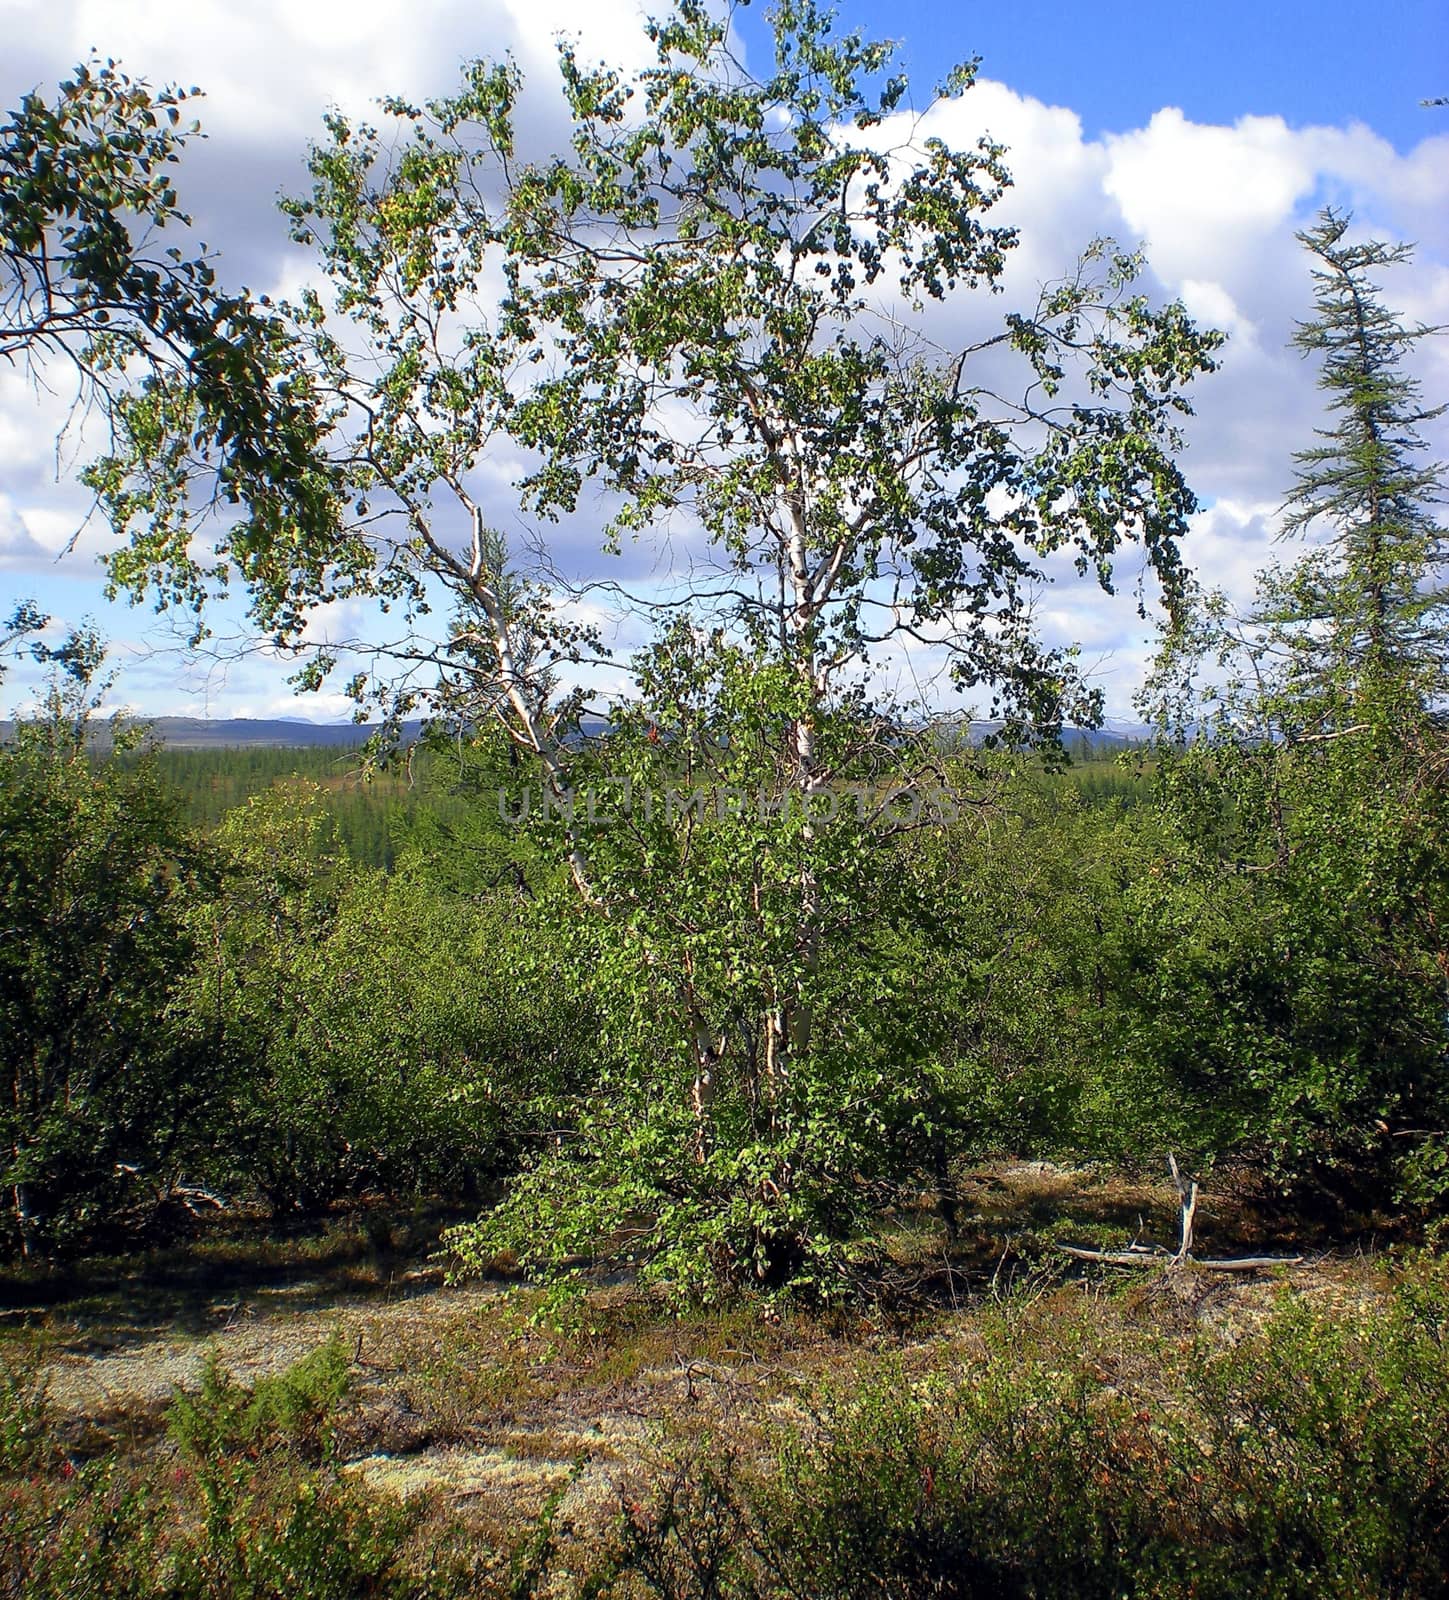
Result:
<point x="1364" y="611"/>
<point x="1297" y="933"/>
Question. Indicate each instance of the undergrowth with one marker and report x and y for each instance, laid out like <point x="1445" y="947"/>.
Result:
<point x="1057" y="1446"/>
<point x="246" y="1502"/>
<point x="1307" y="1461"/>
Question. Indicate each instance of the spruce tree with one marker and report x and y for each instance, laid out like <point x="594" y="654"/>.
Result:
<point x="1364" y="611"/>
<point x="1301" y="967"/>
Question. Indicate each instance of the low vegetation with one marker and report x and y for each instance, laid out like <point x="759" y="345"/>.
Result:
<point x="1167" y="1437"/>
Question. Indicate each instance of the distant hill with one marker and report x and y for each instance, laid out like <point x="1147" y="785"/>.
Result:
<point x="238" y="733"/>
<point x="1118" y="736"/>
<point x="281" y="733"/>
<point x="242" y="733"/>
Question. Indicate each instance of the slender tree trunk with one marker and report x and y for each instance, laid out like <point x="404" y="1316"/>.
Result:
<point x="538" y="738"/>
<point x="807" y="771"/>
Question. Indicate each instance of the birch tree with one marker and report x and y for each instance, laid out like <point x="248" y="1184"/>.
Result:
<point x="705" y="323"/>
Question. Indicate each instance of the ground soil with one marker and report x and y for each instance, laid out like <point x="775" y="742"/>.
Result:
<point x="460" y="1389"/>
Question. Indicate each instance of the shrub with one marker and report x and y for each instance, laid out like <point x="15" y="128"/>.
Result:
<point x="103" y="1085"/>
<point x="294" y="1407"/>
<point x="24" y="1416"/>
<point x="365" y="1052"/>
<point x="251" y="1507"/>
<point x="1308" y="1462"/>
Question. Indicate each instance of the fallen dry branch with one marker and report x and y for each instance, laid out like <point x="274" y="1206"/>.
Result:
<point x="1247" y="1263"/>
<point x="1140" y="1255"/>
<point x="1164" y="1258"/>
<point x="1126" y="1258"/>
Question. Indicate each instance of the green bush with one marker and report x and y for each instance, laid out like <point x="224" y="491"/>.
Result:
<point x="1285" y="973"/>
<point x="380" y="1034"/>
<point x="104" y="1086"/>
<point x="1310" y="1461"/>
<point x="294" y="1408"/>
<point x="250" y="1506"/>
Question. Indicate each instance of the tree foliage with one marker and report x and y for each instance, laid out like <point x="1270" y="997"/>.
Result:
<point x="87" y="197"/>
<point x="704" y="313"/>
<point x="1302" y="989"/>
<point x="106" y="1084"/>
<point x="1352" y="631"/>
<point x="760" y="946"/>
<point x="1376" y="604"/>
<point x="362" y="1052"/>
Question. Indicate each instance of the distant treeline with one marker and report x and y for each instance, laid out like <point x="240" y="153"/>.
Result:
<point x="377" y="813"/>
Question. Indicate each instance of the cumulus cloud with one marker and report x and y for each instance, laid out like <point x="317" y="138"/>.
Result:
<point x="19" y="548"/>
<point x="1216" y="207"/>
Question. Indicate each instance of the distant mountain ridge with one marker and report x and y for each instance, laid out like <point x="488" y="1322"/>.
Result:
<point x="240" y="733"/>
<point x="237" y="733"/>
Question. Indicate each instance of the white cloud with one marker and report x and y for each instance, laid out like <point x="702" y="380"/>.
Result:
<point x="1217" y="207"/>
<point x="269" y="68"/>
<point x="1204" y="199"/>
<point x="1231" y="542"/>
<point x="320" y="707"/>
<point x="18" y="547"/>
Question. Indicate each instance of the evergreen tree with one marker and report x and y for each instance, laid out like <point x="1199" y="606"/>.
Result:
<point x="1295" y="934"/>
<point x="1363" y="612"/>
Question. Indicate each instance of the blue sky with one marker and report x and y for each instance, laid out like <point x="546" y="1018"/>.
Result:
<point x="1323" y="62"/>
<point x="1208" y="133"/>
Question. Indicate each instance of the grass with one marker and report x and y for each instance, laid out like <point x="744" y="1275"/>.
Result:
<point x="491" y="1441"/>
